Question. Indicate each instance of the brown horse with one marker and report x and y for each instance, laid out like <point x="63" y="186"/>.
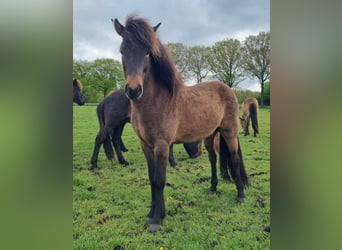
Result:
<point x="250" y="112"/>
<point x="113" y="112"/>
<point x="165" y="111"/>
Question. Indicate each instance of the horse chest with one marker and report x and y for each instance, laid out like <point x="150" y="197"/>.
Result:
<point x="151" y="125"/>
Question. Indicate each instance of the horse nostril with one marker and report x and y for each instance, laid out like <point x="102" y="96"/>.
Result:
<point x="126" y="88"/>
<point x="138" y="89"/>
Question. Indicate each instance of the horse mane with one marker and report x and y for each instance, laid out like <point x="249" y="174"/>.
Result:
<point x="78" y="83"/>
<point x="162" y="64"/>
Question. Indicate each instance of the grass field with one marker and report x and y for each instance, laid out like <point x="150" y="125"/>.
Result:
<point x="109" y="207"/>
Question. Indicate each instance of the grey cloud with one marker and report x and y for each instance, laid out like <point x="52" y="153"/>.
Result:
<point x="195" y="22"/>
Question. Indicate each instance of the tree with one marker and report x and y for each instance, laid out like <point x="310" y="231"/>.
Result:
<point x="256" y="59"/>
<point x="267" y="86"/>
<point x="98" y="77"/>
<point x="180" y="53"/>
<point x="198" y="62"/>
<point x="225" y="62"/>
<point x="81" y="69"/>
<point x="107" y="75"/>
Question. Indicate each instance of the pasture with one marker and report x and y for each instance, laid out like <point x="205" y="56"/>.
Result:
<point x="110" y="206"/>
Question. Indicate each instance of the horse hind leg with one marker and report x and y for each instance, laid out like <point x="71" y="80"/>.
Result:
<point x="101" y="138"/>
<point x="209" y="145"/>
<point x="235" y="164"/>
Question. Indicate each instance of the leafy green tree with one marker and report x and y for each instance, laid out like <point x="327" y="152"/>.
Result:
<point x="267" y="91"/>
<point x="256" y="59"/>
<point x="81" y="69"/>
<point x="198" y="66"/>
<point x="225" y="62"/>
<point x="106" y="75"/>
<point x="98" y="77"/>
<point x="180" y="53"/>
<point x="242" y="94"/>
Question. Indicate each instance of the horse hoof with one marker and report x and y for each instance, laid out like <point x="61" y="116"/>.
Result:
<point x="175" y="167"/>
<point x="241" y="200"/>
<point x="154" y="227"/>
<point x="93" y="168"/>
<point x="125" y="163"/>
<point x="173" y="164"/>
<point x="195" y="155"/>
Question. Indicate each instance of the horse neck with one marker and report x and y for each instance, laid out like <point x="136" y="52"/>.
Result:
<point x="245" y="114"/>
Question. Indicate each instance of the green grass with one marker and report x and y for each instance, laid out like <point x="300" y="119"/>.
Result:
<point x="109" y="207"/>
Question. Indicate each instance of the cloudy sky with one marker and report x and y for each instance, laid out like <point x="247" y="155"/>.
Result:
<point x="191" y="22"/>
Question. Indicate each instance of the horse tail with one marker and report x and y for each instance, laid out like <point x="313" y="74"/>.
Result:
<point x="100" y="114"/>
<point x="224" y="160"/>
<point x="107" y="144"/>
<point x="253" y="112"/>
<point x="225" y="157"/>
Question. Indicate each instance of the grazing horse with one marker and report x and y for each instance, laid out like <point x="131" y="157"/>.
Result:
<point x="250" y="112"/>
<point x="78" y="98"/>
<point x="113" y="112"/>
<point x="165" y="111"/>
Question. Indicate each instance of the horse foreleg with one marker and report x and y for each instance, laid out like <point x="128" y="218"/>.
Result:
<point x="148" y="152"/>
<point x="120" y="128"/>
<point x="171" y="157"/>
<point x="209" y="145"/>
<point x="101" y="137"/>
<point x="248" y="121"/>
<point x="116" y="139"/>
<point x="161" y="153"/>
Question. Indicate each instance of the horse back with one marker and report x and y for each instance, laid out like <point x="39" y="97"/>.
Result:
<point x="114" y="108"/>
<point x="250" y="104"/>
<point x="204" y="108"/>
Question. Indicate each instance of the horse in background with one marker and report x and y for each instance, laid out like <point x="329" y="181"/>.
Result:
<point x="78" y="98"/>
<point x="165" y="111"/>
<point x="250" y="109"/>
<point x="113" y="112"/>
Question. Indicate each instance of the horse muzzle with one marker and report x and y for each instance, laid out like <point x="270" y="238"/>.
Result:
<point x="79" y="101"/>
<point x="134" y="93"/>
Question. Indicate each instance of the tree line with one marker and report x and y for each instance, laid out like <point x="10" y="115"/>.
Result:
<point x="229" y="61"/>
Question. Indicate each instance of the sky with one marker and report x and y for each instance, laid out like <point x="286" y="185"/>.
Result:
<point x="190" y="22"/>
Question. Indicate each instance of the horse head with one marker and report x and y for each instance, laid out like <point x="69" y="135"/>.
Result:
<point x="137" y="47"/>
<point x="78" y="97"/>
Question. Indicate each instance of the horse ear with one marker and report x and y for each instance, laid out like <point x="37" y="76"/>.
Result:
<point x="118" y="26"/>
<point x="156" y="27"/>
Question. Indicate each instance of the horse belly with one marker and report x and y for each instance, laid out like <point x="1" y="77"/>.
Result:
<point x="197" y="128"/>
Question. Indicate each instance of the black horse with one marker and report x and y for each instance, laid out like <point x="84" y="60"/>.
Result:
<point x="113" y="113"/>
<point x="78" y="98"/>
